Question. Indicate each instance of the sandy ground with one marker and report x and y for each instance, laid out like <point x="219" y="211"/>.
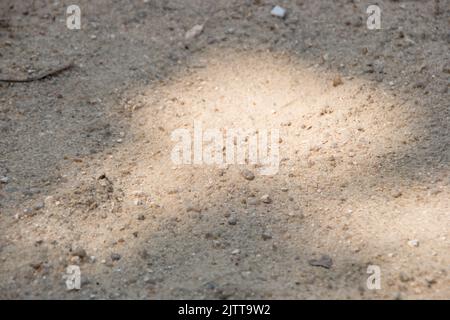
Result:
<point x="87" y="177"/>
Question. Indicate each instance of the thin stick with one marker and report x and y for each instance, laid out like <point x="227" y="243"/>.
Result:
<point x="41" y="75"/>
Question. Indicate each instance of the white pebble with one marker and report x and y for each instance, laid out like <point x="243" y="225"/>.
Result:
<point x="413" y="243"/>
<point x="278" y="11"/>
<point x="194" y="31"/>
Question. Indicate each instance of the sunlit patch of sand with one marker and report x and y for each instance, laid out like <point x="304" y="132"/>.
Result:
<point x="333" y="193"/>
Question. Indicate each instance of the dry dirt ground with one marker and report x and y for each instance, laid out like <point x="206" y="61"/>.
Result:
<point x="87" y="178"/>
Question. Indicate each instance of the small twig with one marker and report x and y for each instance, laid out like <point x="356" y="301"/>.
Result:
<point x="41" y="75"/>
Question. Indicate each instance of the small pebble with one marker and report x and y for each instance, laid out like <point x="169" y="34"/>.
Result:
<point x="279" y="12"/>
<point x="38" y="206"/>
<point x="232" y="221"/>
<point x="404" y="277"/>
<point x="337" y="81"/>
<point x="397" y="194"/>
<point x="266" y="236"/>
<point x="247" y="174"/>
<point x="266" y="199"/>
<point x="430" y="281"/>
<point x="194" y="32"/>
<point x="115" y="256"/>
<point x="325" y="262"/>
<point x="79" y="252"/>
<point x="75" y="260"/>
<point x="413" y="243"/>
